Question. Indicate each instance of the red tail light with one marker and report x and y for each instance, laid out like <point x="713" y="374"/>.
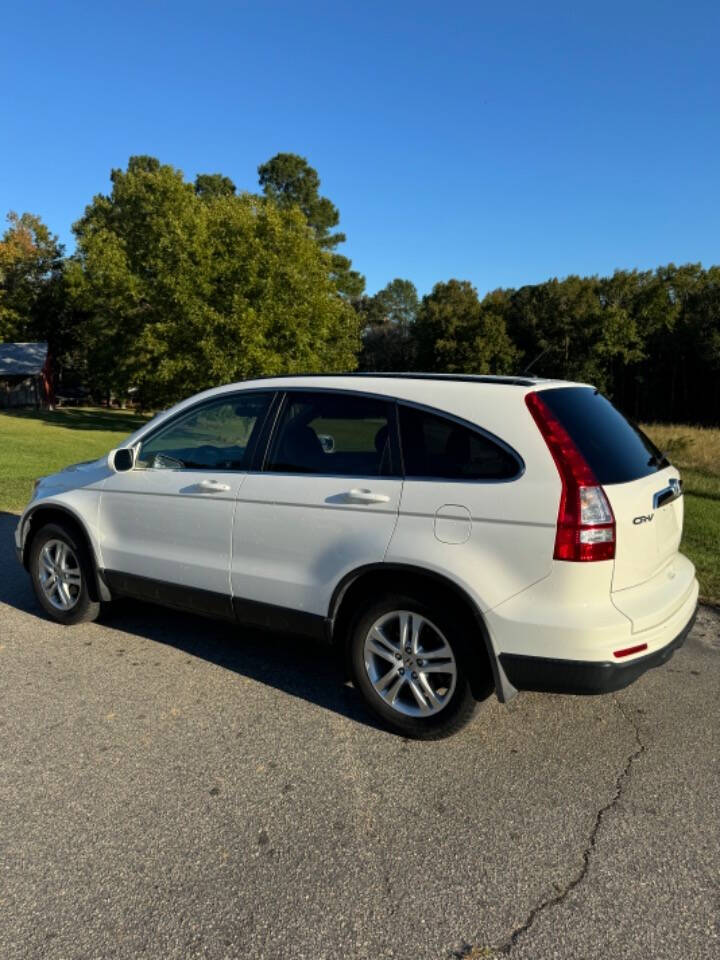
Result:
<point x="585" y="523"/>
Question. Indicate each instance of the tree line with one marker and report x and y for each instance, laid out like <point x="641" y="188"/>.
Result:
<point x="650" y="340"/>
<point x="175" y="286"/>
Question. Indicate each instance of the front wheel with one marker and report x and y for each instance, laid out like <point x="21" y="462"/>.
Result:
<point x="60" y="571"/>
<point x="409" y="662"/>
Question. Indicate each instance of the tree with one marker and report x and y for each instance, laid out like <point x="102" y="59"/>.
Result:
<point x="678" y="314"/>
<point x="456" y="334"/>
<point x="289" y="181"/>
<point x="181" y="294"/>
<point x="30" y="279"/>
<point x="578" y="328"/>
<point x="388" y="327"/>
<point x="209" y="185"/>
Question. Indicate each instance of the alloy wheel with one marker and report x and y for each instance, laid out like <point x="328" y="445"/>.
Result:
<point x="410" y="664"/>
<point x="59" y="574"/>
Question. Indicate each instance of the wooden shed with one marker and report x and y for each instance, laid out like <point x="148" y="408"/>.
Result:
<point x="25" y="375"/>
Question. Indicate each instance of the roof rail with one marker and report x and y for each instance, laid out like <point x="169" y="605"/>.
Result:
<point x="462" y="377"/>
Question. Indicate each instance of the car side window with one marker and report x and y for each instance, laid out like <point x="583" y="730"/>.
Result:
<point x="332" y="434"/>
<point x="435" y="447"/>
<point x="215" y="436"/>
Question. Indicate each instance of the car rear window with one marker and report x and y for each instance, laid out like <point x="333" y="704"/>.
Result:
<point x="616" y="450"/>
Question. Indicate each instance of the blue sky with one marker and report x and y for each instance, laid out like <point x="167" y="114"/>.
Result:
<point x="502" y="143"/>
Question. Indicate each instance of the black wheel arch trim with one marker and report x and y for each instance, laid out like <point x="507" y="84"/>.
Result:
<point x="101" y="588"/>
<point x="504" y="689"/>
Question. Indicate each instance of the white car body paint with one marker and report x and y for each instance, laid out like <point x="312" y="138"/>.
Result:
<point x="163" y="525"/>
<point x="296" y="536"/>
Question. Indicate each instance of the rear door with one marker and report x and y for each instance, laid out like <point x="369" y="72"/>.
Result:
<point x="469" y="509"/>
<point x="325" y="503"/>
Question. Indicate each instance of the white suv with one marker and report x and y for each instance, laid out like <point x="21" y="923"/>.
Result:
<point x="449" y="534"/>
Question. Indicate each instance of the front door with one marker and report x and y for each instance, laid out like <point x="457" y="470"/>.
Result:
<point x="325" y="503"/>
<point x="166" y="525"/>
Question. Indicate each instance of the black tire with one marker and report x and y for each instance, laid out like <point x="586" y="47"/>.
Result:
<point x="460" y="704"/>
<point x="83" y="608"/>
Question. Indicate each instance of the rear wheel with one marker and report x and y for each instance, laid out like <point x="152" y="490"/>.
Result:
<point x="410" y="663"/>
<point x="61" y="569"/>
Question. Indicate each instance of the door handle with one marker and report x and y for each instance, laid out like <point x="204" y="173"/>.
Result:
<point x="668" y="494"/>
<point x="356" y="495"/>
<point x="212" y="486"/>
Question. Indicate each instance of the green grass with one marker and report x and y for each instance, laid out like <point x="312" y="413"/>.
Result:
<point x="36" y="443"/>
<point x="695" y="451"/>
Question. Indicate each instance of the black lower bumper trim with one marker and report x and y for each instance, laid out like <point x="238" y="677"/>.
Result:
<point x="551" y="675"/>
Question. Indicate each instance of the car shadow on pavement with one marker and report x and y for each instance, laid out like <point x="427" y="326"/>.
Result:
<point x="298" y="666"/>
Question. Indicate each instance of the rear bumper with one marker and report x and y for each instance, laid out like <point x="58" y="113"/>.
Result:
<point x="551" y="675"/>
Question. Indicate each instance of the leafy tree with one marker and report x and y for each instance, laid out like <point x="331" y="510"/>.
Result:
<point x="680" y="327"/>
<point x="181" y="294"/>
<point x="456" y="334"/>
<point x="30" y="280"/>
<point x="289" y="181"/>
<point x="399" y="303"/>
<point x="210" y="185"/>
<point x="388" y="335"/>
<point x="578" y="328"/>
<point x="648" y="339"/>
<point x="175" y="286"/>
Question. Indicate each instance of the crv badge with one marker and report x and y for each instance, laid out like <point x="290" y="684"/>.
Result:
<point x="643" y="519"/>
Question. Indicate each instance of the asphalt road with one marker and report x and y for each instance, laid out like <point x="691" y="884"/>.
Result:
<point x="172" y="788"/>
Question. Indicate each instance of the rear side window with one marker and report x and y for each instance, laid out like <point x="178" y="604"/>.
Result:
<point x="435" y="447"/>
<point x="616" y="450"/>
<point x="332" y="434"/>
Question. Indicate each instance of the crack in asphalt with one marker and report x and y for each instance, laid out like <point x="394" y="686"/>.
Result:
<point x="620" y="781"/>
<point x="469" y="952"/>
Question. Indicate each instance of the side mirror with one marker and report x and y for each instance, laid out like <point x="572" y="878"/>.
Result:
<point x="121" y="459"/>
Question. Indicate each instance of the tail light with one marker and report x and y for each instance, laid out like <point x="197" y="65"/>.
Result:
<point x="585" y="523"/>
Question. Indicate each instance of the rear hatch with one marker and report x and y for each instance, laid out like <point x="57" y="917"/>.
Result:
<point x="645" y="493"/>
<point x="648" y="517"/>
